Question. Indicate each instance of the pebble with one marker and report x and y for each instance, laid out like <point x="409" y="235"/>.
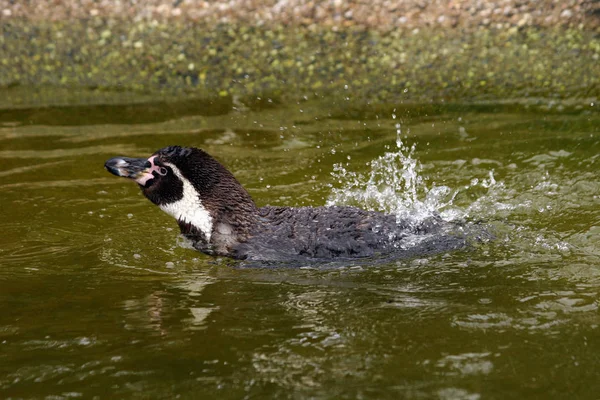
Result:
<point x="566" y="13"/>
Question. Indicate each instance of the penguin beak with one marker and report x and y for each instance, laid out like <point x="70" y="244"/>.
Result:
<point x="138" y="169"/>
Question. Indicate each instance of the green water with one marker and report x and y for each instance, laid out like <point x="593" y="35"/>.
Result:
<point x="100" y="299"/>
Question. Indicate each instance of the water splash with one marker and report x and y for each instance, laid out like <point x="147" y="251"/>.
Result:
<point x="394" y="185"/>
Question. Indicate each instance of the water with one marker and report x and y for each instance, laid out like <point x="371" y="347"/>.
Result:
<point x="99" y="297"/>
<point x="392" y="185"/>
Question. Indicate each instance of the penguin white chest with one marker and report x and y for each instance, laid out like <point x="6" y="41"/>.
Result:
<point x="189" y="207"/>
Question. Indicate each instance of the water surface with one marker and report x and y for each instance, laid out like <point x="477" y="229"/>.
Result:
<point x="99" y="298"/>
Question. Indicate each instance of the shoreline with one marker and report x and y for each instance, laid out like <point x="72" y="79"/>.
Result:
<point x="178" y="58"/>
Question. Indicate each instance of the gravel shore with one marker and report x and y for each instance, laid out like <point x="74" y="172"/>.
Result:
<point x="381" y="51"/>
<point x="372" y="14"/>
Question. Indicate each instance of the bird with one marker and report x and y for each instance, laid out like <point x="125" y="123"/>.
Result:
<point x="219" y="217"/>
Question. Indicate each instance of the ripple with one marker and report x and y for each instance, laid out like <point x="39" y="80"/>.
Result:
<point x="545" y="311"/>
<point x="453" y="393"/>
<point x="467" y="364"/>
<point x="36" y="374"/>
<point x="46" y="344"/>
<point x="61" y="183"/>
<point x="76" y="152"/>
<point x="29" y="168"/>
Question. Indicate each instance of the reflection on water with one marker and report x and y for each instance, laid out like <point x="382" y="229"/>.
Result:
<point x="99" y="297"/>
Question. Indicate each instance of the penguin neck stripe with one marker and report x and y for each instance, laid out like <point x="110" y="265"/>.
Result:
<point x="189" y="208"/>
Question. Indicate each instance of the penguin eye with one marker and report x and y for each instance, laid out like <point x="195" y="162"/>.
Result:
<point x="162" y="171"/>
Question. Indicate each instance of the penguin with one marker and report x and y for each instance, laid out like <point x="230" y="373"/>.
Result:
<point x="218" y="216"/>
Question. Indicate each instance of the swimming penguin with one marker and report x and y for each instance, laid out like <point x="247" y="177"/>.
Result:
<point x="218" y="216"/>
